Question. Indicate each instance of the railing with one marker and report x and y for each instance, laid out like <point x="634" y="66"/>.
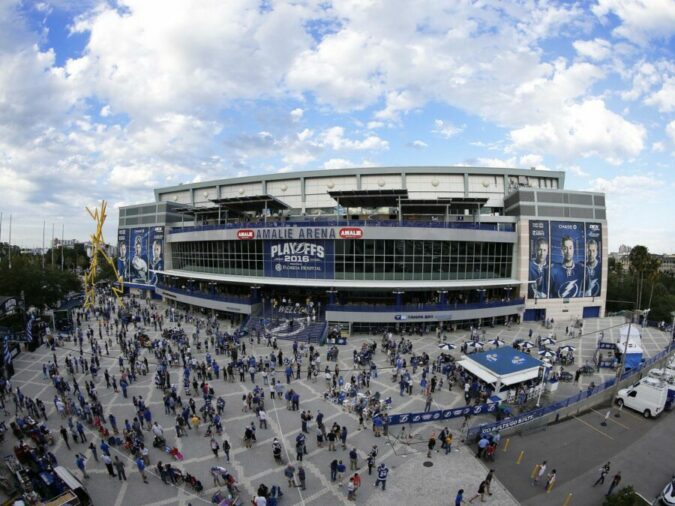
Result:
<point x="497" y="227"/>
<point x="233" y="299"/>
<point x="367" y="308"/>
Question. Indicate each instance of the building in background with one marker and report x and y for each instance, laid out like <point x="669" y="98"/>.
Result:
<point x="367" y="247"/>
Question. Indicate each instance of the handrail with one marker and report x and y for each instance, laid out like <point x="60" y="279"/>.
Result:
<point x="496" y="227"/>
<point x="367" y="308"/>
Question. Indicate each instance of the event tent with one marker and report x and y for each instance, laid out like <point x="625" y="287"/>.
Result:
<point x="502" y="366"/>
<point x="630" y="333"/>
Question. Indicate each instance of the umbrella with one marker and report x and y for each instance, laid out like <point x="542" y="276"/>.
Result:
<point x="496" y="342"/>
<point x="447" y="346"/>
<point x="548" y="340"/>
<point x="567" y="348"/>
<point x="546" y="354"/>
<point x="527" y="344"/>
<point x="476" y="344"/>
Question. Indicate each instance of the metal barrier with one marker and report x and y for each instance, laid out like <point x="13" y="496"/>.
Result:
<point x="424" y="307"/>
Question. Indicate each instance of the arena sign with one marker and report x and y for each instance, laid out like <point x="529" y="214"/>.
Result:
<point x="299" y="259"/>
<point x="300" y="233"/>
<point x="444" y="414"/>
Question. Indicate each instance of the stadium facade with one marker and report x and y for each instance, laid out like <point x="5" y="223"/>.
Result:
<point x="374" y="246"/>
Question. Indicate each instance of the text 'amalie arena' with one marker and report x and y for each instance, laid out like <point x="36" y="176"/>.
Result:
<point x="369" y="248"/>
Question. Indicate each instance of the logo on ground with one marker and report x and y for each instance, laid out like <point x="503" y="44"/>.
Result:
<point x="351" y="233"/>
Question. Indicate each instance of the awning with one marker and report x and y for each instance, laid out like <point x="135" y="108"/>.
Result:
<point x="478" y="371"/>
<point x="369" y="198"/>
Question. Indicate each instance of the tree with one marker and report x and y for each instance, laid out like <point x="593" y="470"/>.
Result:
<point x="624" y="497"/>
<point x="642" y="265"/>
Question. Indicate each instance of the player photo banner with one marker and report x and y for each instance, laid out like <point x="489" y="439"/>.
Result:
<point x="539" y="266"/>
<point x="568" y="250"/>
<point x="593" y="261"/>
<point x="138" y="263"/>
<point x="123" y="253"/>
<point x="156" y="253"/>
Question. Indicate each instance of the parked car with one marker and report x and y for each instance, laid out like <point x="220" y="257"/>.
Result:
<point x="668" y="494"/>
<point x="586" y="369"/>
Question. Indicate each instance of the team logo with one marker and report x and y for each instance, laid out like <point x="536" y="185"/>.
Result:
<point x="491" y="357"/>
<point x="278" y="267"/>
<point x="568" y="289"/>
<point x="246" y="234"/>
<point x="594" y="289"/>
<point x="517" y="360"/>
<point x="351" y="233"/>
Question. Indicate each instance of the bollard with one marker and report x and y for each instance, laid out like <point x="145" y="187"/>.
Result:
<point x="568" y="499"/>
<point x="535" y="470"/>
<point x="520" y="457"/>
<point x="550" y="487"/>
<point x="506" y="443"/>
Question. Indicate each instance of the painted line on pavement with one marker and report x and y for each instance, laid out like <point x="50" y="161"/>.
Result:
<point x="594" y="428"/>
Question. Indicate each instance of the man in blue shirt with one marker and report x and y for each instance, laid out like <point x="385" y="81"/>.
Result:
<point x="459" y="498"/>
<point x="567" y="278"/>
<point x="382" y="472"/>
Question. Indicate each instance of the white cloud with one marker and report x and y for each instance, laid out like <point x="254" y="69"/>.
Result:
<point x="105" y="111"/>
<point x="583" y="130"/>
<point x="334" y="138"/>
<point x="658" y="147"/>
<point x="337" y="163"/>
<point x="641" y="20"/>
<point x="576" y="170"/>
<point x="664" y="99"/>
<point x="597" y="49"/>
<point x="418" y="144"/>
<point x="626" y="185"/>
<point x="296" y="114"/>
<point x="372" y="125"/>
<point x="670" y="130"/>
<point x="446" y="129"/>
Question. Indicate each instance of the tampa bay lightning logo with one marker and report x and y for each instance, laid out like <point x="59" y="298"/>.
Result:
<point x="569" y="289"/>
<point x="594" y="288"/>
<point x="491" y="357"/>
<point x="517" y="360"/>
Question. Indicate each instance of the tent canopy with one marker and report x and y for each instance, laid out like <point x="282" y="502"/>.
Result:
<point x="504" y="366"/>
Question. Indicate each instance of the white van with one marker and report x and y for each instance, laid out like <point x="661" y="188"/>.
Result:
<point x="648" y="396"/>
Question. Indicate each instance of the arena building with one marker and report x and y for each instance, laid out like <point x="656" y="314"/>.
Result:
<point x="371" y="247"/>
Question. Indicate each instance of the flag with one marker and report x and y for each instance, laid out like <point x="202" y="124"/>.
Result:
<point x="6" y="352"/>
<point x="29" y="329"/>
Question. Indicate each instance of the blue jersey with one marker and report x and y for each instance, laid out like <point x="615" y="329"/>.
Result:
<point x="538" y="273"/>
<point x="593" y="280"/>
<point x="567" y="282"/>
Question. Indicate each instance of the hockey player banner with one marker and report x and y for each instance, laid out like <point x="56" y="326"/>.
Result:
<point x="539" y="268"/>
<point x="568" y="250"/>
<point x="593" y="262"/>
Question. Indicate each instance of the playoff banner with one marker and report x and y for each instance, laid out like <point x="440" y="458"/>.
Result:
<point x="565" y="259"/>
<point x="299" y="259"/>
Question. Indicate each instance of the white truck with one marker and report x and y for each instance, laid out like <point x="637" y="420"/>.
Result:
<point x="648" y="396"/>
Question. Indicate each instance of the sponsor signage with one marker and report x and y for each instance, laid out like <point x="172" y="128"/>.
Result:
<point x="300" y="233"/>
<point x="299" y="259"/>
<point x="444" y="414"/>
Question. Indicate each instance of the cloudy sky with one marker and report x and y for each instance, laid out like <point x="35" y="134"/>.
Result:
<point x="108" y="100"/>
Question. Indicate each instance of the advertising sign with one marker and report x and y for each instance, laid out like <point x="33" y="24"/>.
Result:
<point x="138" y="264"/>
<point x="445" y="414"/>
<point x="156" y="253"/>
<point x="299" y="259"/>
<point x="568" y="249"/>
<point x="539" y="260"/>
<point x="123" y="253"/>
<point x="593" y="263"/>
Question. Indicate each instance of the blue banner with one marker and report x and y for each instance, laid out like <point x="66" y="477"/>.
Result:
<point x="593" y="264"/>
<point x="138" y="256"/>
<point x="299" y="259"/>
<point x="540" y="267"/>
<point x="474" y="432"/>
<point x="568" y="249"/>
<point x="444" y="414"/>
<point x="123" y="253"/>
<point x="156" y="253"/>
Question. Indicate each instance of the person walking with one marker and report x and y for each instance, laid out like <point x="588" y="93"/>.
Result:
<point x="351" y="490"/>
<point x="119" y="466"/>
<point x="353" y="460"/>
<point x="109" y="465"/>
<point x="382" y="473"/>
<point x="604" y="471"/>
<point x="343" y="437"/>
<point x="289" y="472"/>
<point x="539" y="471"/>
<point x="333" y="470"/>
<point x="341" y="469"/>
<point x="488" y="481"/>
<point x="301" y="476"/>
<point x="93" y="451"/>
<point x="64" y="434"/>
<point x="431" y="445"/>
<point x="226" y="449"/>
<point x="141" y="469"/>
<point x="550" y="480"/>
<point x="459" y="498"/>
<point x="481" y="492"/>
<point x="615" y="482"/>
<point x="81" y="464"/>
<point x="215" y="447"/>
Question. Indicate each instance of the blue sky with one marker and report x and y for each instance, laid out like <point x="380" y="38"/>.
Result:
<point x="108" y="100"/>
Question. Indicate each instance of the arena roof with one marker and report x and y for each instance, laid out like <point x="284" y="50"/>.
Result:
<point x="253" y="203"/>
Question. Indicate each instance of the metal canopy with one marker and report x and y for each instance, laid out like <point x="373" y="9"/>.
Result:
<point x="424" y="206"/>
<point x="253" y="203"/>
<point x="369" y="198"/>
<point x="466" y="201"/>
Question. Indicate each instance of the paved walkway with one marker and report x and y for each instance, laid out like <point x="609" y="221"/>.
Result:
<point x="408" y="479"/>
